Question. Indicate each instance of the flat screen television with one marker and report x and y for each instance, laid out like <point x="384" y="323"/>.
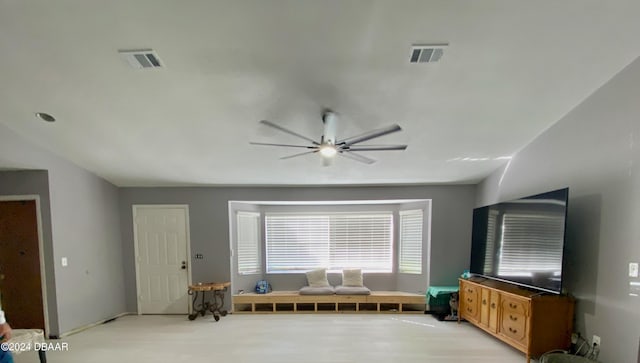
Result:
<point x="522" y="241"/>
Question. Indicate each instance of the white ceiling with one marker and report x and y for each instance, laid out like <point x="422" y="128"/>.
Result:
<point x="512" y="69"/>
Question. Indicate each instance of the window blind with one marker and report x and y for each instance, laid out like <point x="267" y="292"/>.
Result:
<point x="361" y="241"/>
<point x="410" y="259"/>
<point x="297" y="243"/>
<point x="248" y="249"/>
<point x="524" y="236"/>
<point x="490" y="251"/>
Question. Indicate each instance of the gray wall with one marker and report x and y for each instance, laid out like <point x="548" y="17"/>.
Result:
<point x="36" y="182"/>
<point x="592" y="151"/>
<point x="209" y="221"/>
<point x="84" y="227"/>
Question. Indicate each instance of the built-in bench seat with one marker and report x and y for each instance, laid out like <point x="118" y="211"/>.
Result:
<point x="293" y="302"/>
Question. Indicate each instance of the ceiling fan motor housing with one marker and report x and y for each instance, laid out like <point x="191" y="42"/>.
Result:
<point x="329" y="135"/>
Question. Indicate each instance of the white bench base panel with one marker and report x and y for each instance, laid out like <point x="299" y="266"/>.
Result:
<point x="293" y="302"/>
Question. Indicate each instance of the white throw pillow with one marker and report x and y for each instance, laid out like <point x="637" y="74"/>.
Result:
<point x="352" y="277"/>
<point x="318" y="278"/>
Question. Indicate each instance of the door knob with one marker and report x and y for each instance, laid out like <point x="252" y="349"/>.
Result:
<point x="184" y="265"/>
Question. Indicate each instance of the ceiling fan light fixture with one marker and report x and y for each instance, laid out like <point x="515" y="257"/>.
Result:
<point x="328" y="150"/>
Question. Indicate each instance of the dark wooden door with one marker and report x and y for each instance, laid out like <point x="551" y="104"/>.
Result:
<point x="20" y="283"/>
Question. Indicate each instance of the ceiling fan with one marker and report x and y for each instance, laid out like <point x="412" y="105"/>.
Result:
<point x="329" y="146"/>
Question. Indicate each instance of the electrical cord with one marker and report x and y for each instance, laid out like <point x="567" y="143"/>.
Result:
<point x="580" y="348"/>
<point x="592" y="352"/>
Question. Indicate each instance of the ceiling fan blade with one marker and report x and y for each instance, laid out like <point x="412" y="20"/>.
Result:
<point x="300" y="154"/>
<point x="285" y="145"/>
<point x="278" y="127"/>
<point x="376" y="147"/>
<point x="369" y="135"/>
<point x="357" y="157"/>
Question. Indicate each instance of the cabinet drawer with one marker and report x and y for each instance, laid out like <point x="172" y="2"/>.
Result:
<point x="470" y="310"/>
<point x="469" y="289"/>
<point x="513" y="318"/>
<point x="514" y="326"/>
<point x="470" y="299"/>
<point x="516" y="306"/>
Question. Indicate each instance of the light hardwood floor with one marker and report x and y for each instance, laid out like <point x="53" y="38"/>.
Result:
<point x="285" y="338"/>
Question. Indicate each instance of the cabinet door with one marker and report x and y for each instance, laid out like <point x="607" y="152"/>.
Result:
<point x="485" y="296"/>
<point x="469" y="301"/>
<point x="494" y="302"/>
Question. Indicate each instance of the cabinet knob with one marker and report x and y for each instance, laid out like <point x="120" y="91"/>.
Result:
<point x="484" y="302"/>
<point x="493" y="305"/>
<point x="469" y="300"/>
<point x="513" y="330"/>
<point x="513" y="318"/>
<point x="512" y="305"/>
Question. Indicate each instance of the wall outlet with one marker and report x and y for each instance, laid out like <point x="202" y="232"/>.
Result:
<point x="64" y="262"/>
<point x="596" y="340"/>
<point x="633" y="269"/>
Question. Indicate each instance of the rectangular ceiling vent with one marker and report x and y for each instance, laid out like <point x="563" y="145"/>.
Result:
<point x="141" y="59"/>
<point x="430" y="53"/>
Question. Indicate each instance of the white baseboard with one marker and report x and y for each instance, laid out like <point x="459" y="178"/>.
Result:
<point x="88" y="326"/>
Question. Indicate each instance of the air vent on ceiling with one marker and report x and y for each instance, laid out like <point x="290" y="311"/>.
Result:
<point x="138" y="59"/>
<point x="426" y="53"/>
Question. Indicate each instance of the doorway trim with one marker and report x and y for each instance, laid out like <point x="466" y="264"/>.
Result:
<point x="135" y="208"/>
<point x="43" y="276"/>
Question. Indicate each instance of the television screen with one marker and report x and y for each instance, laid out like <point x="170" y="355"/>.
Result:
<point x="522" y="241"/>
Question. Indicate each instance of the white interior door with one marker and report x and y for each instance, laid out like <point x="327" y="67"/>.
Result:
<point x="161" y="236"/>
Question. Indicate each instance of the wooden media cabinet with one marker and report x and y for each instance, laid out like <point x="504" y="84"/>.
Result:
<point x="529" y="321"/>
<point x="293" y="302"/>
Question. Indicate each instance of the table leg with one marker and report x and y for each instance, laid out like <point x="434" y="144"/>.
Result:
<point x="216" y="308"/>
<point x="195" y="310"/>
<point x="42" y="354"/>
<point x="204" y="305"/>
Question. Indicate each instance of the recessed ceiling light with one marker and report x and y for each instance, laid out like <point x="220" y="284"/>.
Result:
<point x="45" y="117"/>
